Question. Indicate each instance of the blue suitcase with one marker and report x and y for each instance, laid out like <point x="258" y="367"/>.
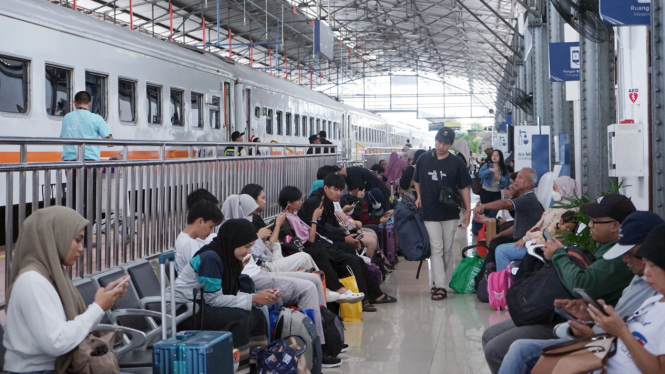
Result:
<point x="194" y="352"/>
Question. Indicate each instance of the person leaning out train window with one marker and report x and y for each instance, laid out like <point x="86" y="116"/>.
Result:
<point x="230" y="150"/>
<point x="254" y="139"/>
<point x="46" y="316"/>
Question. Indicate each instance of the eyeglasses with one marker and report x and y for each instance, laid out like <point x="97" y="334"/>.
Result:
<point x="601" y="222"/>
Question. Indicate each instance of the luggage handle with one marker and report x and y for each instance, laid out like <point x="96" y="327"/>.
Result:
<point x="195" y="291"/>
<point x="163" y="259"/>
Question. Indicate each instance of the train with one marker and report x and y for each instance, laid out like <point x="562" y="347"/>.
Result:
<point x="149" y="89"/>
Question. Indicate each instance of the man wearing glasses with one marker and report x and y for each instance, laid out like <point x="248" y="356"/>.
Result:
<point x="604" y="279"/>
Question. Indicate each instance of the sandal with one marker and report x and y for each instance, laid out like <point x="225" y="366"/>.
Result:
<point x="386" y="300"/>
<point x="440" y="294"/>
<point x="432" y="291"/>
<point x="369" y="308"/>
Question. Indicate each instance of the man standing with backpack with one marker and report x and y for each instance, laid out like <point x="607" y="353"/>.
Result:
<point x="442" y="185"/>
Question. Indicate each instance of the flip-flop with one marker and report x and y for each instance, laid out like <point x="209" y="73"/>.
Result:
<point x="386" y="300"/>
<point x="437" y="296"/>
<point x="369" y="308"/>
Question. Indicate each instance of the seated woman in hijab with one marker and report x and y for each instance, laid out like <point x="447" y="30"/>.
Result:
<point x="217" y="266"/>
<point x="563" y="188"/>
<point x="301" y="289"/>
<point x="46" y="316"/>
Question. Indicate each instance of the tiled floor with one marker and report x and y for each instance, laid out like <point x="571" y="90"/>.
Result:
<point x="416" y="334"/>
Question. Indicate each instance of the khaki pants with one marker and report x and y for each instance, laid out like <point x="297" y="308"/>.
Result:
<point x="441" y="239"/>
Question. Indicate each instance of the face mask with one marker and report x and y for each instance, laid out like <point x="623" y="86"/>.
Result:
<point x="556" y="196"/>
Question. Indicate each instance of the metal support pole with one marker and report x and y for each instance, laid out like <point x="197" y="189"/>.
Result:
<point x="230" y="43"/>
<point x="657" y="169"/>
<point x="502" y="19"/>
<point x="218" y="35"/>
<point x="131" y="16"/>
<point x="541" y="76"/>
<point x="171" y="22"/>
<point x="203" y="27"/>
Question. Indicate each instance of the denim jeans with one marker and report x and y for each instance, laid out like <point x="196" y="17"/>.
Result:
<point x="523" y="355"/>
<point x="506" y="253"/>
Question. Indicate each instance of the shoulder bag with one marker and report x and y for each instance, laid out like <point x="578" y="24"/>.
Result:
<point x="449" y="196"/>
<point x="95" y="354"/>
<point x="583" y="355"/>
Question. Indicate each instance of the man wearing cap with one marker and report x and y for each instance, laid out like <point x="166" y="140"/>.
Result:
<point x="360" y="179"/>
<point x="236" y="137"/>
<point x="602" y="279"/>
<point x="323" y="136"/>
<point x="435" y="170"/>
<point x="314" y="139"/>
<point x="523" y="354"/>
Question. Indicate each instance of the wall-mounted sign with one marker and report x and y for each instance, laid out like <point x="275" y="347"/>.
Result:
<point x="564" y="62"/>
<point x="524" y="145"/>
<point x="455" y="126"/>
<point x="635" y="96"/>
<point x="324" y="40"/>
<point x="625" y="12"/>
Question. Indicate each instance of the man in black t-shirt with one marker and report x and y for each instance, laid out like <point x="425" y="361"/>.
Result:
<point x="360" y="179"/>
<point x="441" y="224"/>
<point x="314" y="139"/>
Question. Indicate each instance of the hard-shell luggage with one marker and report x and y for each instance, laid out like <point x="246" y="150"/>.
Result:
<point x="389" y="246"/>
<point x="292" y="322"/>
<point x="189" y="352"/>
<point x="194" y="352"/>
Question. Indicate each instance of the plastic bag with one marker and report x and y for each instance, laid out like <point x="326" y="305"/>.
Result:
<point x="351" y="312"/>
<point x="463" y="280"/>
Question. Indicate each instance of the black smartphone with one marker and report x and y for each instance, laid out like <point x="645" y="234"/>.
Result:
<point x="359" y="236"/>
<point x="546" y="235"/>
<point x="589" y="300"/>
<point x="566" y="315"/>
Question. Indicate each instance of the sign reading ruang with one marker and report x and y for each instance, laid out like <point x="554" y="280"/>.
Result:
<point x="625" y="12"/>
<point x="564" y="62"/>
<point x="324" y="40"/>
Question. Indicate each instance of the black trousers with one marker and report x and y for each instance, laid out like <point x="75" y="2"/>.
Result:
<point x="366" y="282"/>
<point x="73" y="185"/>
<point x="325" y="263"/>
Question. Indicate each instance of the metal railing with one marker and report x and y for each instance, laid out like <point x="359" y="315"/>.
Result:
<point x="137" y="207"/>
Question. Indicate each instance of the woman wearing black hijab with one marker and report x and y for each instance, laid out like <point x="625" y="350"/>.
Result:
<point x="227" y="308"/>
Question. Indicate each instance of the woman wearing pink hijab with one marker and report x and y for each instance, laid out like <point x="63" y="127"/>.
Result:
<point x="394" y="169"/>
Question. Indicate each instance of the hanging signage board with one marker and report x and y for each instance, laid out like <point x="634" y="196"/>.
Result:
<point x="455" y="126"/>
<point x="324" y="40"/>
<point x="564" y="62"/>
<point x="524" y="142"/>
<point x="625" y="12"/>
<point x="501" y="143"/>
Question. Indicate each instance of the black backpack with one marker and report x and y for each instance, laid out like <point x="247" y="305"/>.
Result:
<point x="333" y="331"/>
<point x="531" y="298"/>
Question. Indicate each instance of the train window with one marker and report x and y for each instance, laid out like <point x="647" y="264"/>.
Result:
<point x="279" y="118"/>
<point x="334" y="131"/>
<point x="126" y="100"/>
<point x="257" y="112"/>
<point x="269" y="122"/>
<point x="296" y="125"/>
<point x="95" y="85"/>
<point x="287" y="124"/>
<point x="304" y="126"/>
<point x="177" y="107"/>
<point x="154" y="95"/>
<point x="330" y="130"/>
<point x="311" y="126"/>
<point x="197" y="110"/>
<point x="58" y="90"/>
<point x="227" y="104"/>
<point x="318" y="125"/>
<point x="14" y="87"/>
<point x="214" y="113"/>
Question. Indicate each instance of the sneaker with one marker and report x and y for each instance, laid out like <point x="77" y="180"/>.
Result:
<point x="328" y="361"/>
<point x="350" y="297"/>
<point x="345" y="347"/>
<point x="331" y="296"/>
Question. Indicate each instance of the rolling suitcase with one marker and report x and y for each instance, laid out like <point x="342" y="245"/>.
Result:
<point x="390" y="247"/>
<point x="189" y="352"/>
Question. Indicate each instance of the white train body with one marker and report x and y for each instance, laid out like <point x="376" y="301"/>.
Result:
<point x="40" y="36"/>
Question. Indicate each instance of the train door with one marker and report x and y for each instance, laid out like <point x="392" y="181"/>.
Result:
<point x="248" y="111"/>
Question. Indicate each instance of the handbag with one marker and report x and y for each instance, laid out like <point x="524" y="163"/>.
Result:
<point x="583" y="355"/>
<point x="351" y="312"/>
<point x="283" y="356"/>
<point x="449" y="197"/>
<point x="95" y="354"/>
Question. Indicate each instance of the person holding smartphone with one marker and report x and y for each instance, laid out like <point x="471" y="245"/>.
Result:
<point x="524" y="353"/>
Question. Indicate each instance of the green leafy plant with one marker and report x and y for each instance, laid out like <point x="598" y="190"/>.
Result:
<point x="582" y="239"/>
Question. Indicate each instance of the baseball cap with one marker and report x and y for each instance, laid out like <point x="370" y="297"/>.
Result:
<point x="445" y="135"/>
<point x="613" y="205"/>
<point x="652" y="248"/>
<point x="236" y="135"/>
<point x="633" y="231"/>
<point x="313" y="137"/>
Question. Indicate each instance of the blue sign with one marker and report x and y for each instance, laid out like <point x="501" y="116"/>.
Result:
<point x="540" y="154"/>
<point x="625" y="12"/>
<point x="324" y="40"/>
<point x="564" y="62"/>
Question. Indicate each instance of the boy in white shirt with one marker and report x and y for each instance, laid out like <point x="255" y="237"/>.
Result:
<point x="202" y="218"/>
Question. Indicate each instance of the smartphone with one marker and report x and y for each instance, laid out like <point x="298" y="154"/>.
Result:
<point x="277" y="291"/>
<point x="359" y="236"/>
<point x="287" y="208"/>
<point x="546" y="235"/>
<point x="589" y="300"/>
<point x="566" y="315"/>
<point x="124" y="281"/>
<point x="249" y="255"/>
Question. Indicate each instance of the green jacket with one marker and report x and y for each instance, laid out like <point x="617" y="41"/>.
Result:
<point x="603" y="279"/>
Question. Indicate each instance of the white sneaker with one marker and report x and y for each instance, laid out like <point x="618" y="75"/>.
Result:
<point x="331" y="296"/>
<point x="350" y="297"/>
